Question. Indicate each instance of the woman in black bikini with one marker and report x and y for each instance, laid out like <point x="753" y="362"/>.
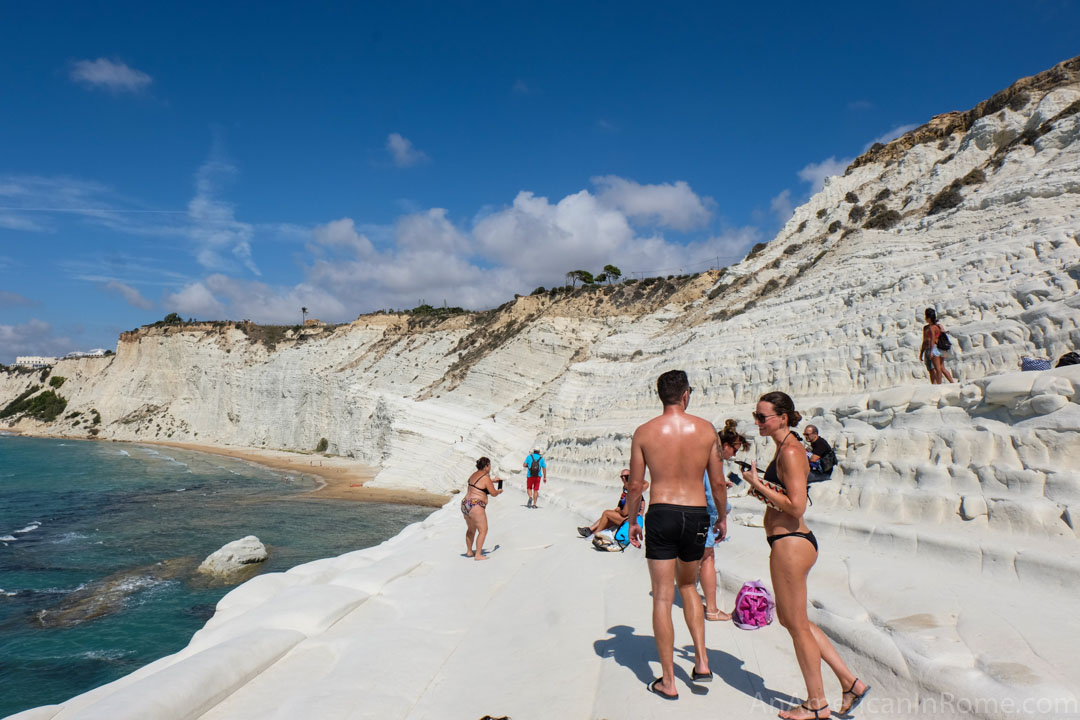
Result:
<point x="794" y="551"/>
<point x="473" y="507"/>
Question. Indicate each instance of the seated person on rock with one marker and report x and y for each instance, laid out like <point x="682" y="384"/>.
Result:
<point x="610" y="518"/>
<point x="822" y="458"/>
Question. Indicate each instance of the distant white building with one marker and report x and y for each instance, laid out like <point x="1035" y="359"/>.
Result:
<point x="97" y="352"/>
<point x="34" y="361"/>
<point x="75" y="354"/>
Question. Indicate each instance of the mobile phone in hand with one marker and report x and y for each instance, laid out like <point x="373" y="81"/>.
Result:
<point x="500" y="483"/>
<point x="744" y="465"/>
<point x="733" y="477"/>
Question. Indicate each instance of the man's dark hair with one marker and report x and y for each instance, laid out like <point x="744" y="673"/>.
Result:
<point x="811" y="427"/>
<point x="671" y="385"/>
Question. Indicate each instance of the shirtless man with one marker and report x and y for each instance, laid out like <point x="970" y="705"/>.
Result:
<point x="677" y="448"/>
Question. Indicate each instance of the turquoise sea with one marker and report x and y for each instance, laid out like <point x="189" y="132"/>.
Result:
<point x="98" y="542"/>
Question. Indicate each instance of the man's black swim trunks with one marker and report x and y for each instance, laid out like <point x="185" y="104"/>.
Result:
<point x="675" y="531"/>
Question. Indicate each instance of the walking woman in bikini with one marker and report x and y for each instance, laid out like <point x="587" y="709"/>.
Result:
<point x="794" y="551"/>
<point x="473" y="507"/>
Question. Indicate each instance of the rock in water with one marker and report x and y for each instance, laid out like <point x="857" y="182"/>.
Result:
<point x="234" y="556"/>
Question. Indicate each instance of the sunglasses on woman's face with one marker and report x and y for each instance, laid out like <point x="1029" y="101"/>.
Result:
<point x="759" y="418"/>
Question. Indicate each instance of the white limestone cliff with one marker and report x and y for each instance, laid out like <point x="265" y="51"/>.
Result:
<point x="973" y="485"/>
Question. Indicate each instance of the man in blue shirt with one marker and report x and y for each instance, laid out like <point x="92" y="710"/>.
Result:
<point x="537" y="470"/>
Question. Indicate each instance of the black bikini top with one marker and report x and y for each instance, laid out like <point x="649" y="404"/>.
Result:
<point x="771" y="476"/>
<point x="484" y="490"/>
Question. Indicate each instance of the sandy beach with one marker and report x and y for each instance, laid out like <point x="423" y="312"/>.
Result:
<point x="341" y="478"/>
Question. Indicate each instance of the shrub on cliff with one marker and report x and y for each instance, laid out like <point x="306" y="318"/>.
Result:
<point x="821" y="213"/>
<point x="857" y="213"/>
<point x="882" y="220"/>
<point x="57" y="381"/>
<point x="947" y="199"/>
<point x="45" y="407"/>
<point x="974" y="177"/>
<point x="835" y="225"/>
<point x="851" y="198"/>
<point x="18" y="404"/>
<point x="322" y="446"/>
<point x="756" y="250"/>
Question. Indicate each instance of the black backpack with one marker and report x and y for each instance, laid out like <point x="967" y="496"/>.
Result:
<point x="1069" y="358"/>
<point x="944" y="344"/>
<point x="828" y="461"/>
<point x="534" y="468"/>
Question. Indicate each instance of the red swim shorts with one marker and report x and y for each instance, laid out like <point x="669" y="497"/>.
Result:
<point x="532" y="483"/>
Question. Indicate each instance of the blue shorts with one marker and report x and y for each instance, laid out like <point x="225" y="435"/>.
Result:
<point x="710" y="537"/>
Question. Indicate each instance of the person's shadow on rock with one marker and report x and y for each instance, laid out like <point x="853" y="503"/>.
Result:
<point x="633" y="652"/>
<point x="629" y="650"/>
<point x="730" y="669"/>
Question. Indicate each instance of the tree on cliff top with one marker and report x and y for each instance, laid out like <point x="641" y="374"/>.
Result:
<point x="613" y="273"/>
<point x="584" y="276"/>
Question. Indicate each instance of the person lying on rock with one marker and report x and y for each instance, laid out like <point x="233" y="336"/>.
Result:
<point x="611" y="518"/>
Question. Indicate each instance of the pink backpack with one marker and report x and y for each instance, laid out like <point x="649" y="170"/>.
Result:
<point x="753" y="606"/>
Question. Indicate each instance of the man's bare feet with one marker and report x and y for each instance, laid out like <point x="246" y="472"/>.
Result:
<point x="469" y="553"/>
<point x="482" y="556"/>
<point x="716" y="615"/>
<point x="805" y="712"/>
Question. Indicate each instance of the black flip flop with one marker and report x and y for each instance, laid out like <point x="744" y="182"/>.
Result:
<point x="858" y="698"/>
<point x="657" y="691"/>
<point x="701" y="677"/>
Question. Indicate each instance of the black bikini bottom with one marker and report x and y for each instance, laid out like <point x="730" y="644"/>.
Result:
<point x="804" y="535"/>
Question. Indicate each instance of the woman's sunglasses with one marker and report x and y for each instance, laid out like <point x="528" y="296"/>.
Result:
<point x="759" y="418"/>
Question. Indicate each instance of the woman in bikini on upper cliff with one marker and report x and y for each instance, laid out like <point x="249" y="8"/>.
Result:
<point x="929" y="352"/>
<point x="473" y="507"/>
<point x="793" y="551"/>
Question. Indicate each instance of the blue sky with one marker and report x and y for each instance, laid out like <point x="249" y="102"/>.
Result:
<point x="239" y="160"/>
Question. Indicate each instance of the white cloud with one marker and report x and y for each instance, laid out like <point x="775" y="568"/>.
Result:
<point x="402" y="151"/>
<point x="430" y="231"/>
<point x="891" y="135"/>
<point x="10" y="221"/>
<point x="116" y="77"/>
<point x="133" y="297"/>
<point x="542" y="240"/>
<point x="428" y="258"/>
<point x="781" y="206"/>
<point x="815" y="173"/>
<point x="195" y="300"/>
<point x="11" y="299"/>
<point x="342" y="233"/>
<point x="258" y="301"/>
<point x="213" y="223"/>
<point x="31" y="338"/>
<point x="672" y="205"/>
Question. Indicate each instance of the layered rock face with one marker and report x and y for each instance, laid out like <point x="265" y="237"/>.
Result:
<point x="976" y="214"/>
